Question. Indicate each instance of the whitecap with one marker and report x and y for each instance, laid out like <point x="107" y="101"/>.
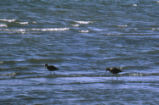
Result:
<point x="122" y="26"/>
<point x="23" y="23"/>
<point x="21" y="31"/>
<point x="84" y="31"/>
<point x="50" y="29"/>
<point x="75" y="25"/>
<point x="3" y="25"/>
<point x="155" y="29"/>
<point x="83" y="22"/>
<point x="8" y="20"/>
<point x="34" y="22"/>
<point x="14" y="30"/>
<point x="135" y="5"/>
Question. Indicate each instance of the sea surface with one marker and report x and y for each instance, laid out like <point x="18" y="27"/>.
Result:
<point x="82" y="38"/>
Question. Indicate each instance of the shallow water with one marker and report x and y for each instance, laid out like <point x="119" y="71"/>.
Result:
<point x="81" y="38"/>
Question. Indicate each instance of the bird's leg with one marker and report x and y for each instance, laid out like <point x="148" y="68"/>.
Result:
<point x="54" y="73"/>
<point x="112" y="77"/>
<point x="116" y="76"/>
<point x="50" y="72"/>
<point x="106" y="72"/>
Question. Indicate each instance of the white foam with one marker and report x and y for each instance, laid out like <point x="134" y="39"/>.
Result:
<point x="83" y="22"/>
<point x="84" y="31"/>
<point x="155" y="29"/>
<point x="50" y="29"/>
<point x="21" y="31"/>
<point x="75" y="25"/>
<point x="135" y="5"/>
<point x="122" y="26"/>
<point x="8" y="20"/>
<point x="34" y="22"/>
<point x="3" y="25"/>
<point x="2" y="29"/>
<point x="23" y="23"/>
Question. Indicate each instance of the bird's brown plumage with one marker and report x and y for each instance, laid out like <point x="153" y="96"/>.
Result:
<point x="114" y="70"/>
<point x="51" y="68"/>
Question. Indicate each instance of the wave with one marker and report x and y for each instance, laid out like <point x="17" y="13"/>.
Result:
<point x="83" y="22"/>
<point x="7" y="20"/>
<point x="27" y="30"/>
<point x="50" y="29"/>
<point x="3" y="26"/>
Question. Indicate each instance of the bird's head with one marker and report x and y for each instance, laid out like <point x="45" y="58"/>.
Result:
<point x="46" y="65"/>
<point x="108" y="69"/>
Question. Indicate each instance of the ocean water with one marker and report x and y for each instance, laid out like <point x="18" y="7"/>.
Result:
<point x="81" y="38"/>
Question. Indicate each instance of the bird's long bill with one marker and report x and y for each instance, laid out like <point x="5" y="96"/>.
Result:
<point x="121" y="68"/>
<point x="107" y="69"/>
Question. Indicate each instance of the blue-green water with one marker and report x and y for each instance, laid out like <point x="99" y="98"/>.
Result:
<point x="81" y="38"/>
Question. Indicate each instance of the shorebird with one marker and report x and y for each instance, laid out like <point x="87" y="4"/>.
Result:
<point x="114" y="70"/>
<point x="51" y="68"/>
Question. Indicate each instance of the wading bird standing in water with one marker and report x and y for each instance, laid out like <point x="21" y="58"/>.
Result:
<point x="51" y="68"/>
<point x="114" y="70"/>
